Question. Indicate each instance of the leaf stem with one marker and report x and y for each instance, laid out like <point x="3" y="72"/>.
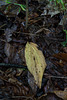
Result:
<point x="26" y="14"/>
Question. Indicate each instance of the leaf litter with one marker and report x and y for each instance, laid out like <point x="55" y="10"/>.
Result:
<point x="44" y="31"/>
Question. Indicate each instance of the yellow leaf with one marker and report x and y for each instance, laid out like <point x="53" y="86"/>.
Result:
<point x="35" y="62"/>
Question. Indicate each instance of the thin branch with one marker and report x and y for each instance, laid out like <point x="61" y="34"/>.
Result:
<point x="26" y="14"/>
<point x="51" y="76"/>
<point x="12" y="66"/>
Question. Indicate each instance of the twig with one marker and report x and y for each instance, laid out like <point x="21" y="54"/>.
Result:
<point x="26" y="14"/>
<point x="12" y="66"/>
<point x="3" y="25"/>
<point x="42" y="96"/>
<point x="8" y="79"/>
<point x="26" y="97"/>
<point x="51" y="76"/>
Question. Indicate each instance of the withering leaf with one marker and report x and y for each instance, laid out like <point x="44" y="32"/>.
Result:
<point x="61" y="94"/>
<point x="9" y="50"/>
<point x="9" y="31"/>
<point x="61" y="56"/>
<point x="35" y="62"/>
<point x="31" y="82"/>
<point x="12" y="54"/>
<point x="49" y="96"/>
<point x="65" y="49"/>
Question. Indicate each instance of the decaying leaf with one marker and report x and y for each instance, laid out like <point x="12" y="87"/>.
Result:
<point x="61" y="56"/>
<point x="61" y="94"/>
<point x="35" y="62"/>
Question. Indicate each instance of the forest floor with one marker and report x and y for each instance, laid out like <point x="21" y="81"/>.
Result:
<point x="45" y="30"/>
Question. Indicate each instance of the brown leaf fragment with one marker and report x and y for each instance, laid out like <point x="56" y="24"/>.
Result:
<point x="65" y="49"/>
<point x="61" y="56"/>
<point x="61" y="94"/>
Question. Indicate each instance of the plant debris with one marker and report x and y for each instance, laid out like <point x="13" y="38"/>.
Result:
<point x="33" y="59"/>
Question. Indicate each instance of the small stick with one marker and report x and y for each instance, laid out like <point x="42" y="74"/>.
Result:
<point x="12" y="66"/>
<point x="26" y="14"/>
<point x="51" y="76"/>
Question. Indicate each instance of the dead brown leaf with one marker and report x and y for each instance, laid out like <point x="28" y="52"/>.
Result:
<point x="61" y="56"/>
<point x="61" y="94"/>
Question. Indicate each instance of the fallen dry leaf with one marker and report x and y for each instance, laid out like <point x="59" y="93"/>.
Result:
<point x="61" y="56"/>
<point x="65" y="49"/>
<point x="61" y="94"/>
<point x="35" y="62"/>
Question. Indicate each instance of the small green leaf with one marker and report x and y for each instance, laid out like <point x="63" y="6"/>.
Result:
<point x="63" y="43"/>
<point x="22" y="6"/>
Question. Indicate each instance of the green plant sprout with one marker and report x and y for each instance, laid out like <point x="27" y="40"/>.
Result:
<point x="60" y="3"/>
<point x="65" y="42"/>
<point x="23" y="7"/>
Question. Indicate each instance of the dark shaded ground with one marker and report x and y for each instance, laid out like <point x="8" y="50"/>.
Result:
<point x="46" y="32"/>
